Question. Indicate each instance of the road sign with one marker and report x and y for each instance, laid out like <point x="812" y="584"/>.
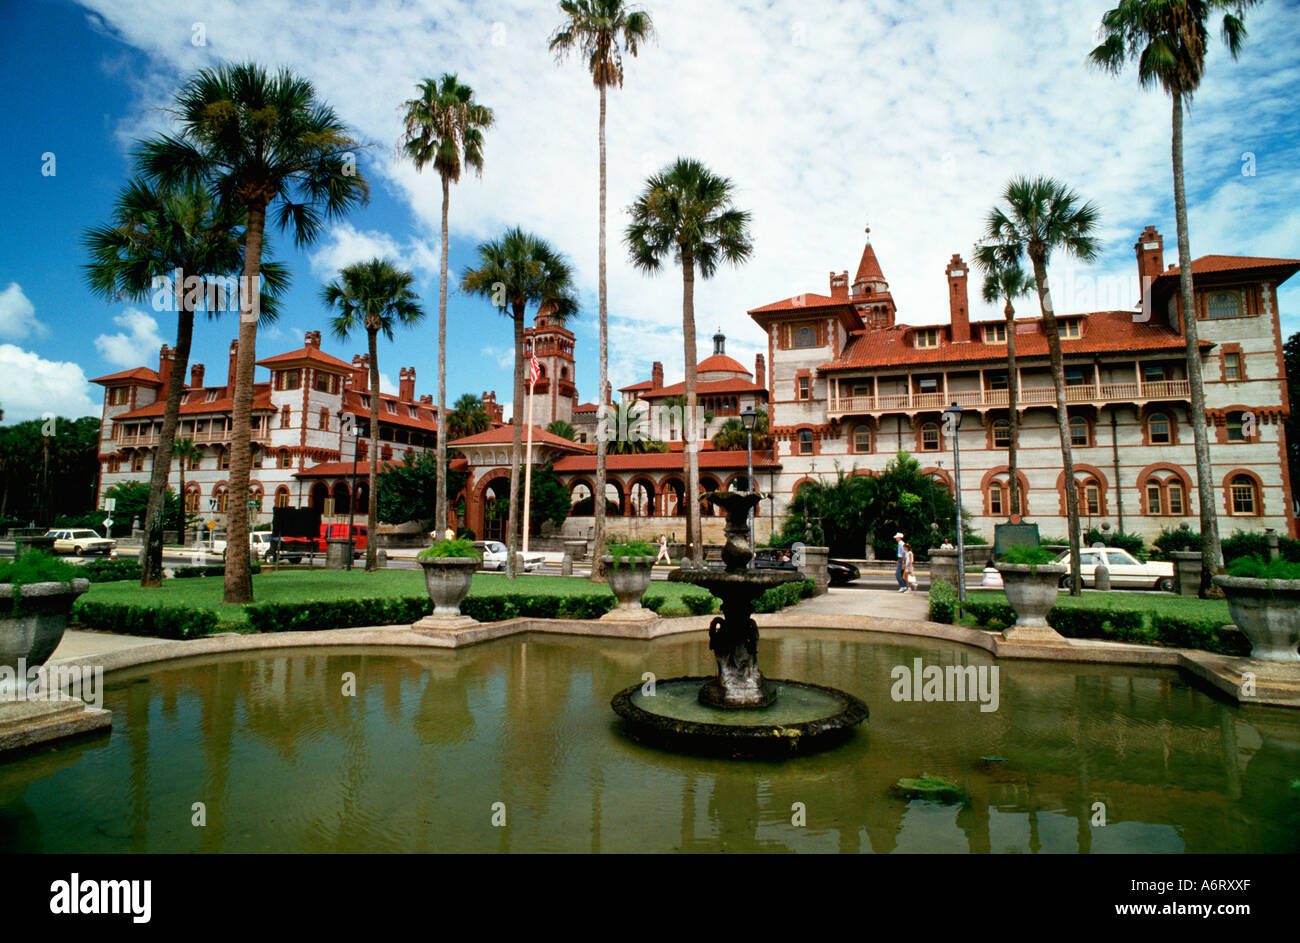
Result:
<point x="110" y="504"/>
<point x="211" y="525"/>
<point x="108" y="522"/>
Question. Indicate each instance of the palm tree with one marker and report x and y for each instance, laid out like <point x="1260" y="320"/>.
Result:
<point x="515" y="271"/>
<point x="468" y="417"/>
<point x="731" y="434"/>
<point x="1169" y="38"/>
<point x="685" y="213"/>
<point x="262" y="144"/>
<point x="596" y="29"/>
<point x="183" y="451"/>
<point x="444" y="126"/>
<point x="1006" y="281"/>
<point x="1042" y="216"/>
<point x="177" y="238"/>
<point x="373" y="296"/>
<point x="563" y="429"/>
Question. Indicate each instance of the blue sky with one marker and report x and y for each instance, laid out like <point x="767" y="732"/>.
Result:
<point x="828" y="116"/>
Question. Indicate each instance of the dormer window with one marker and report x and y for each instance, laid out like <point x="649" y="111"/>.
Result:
<point x="927" y="338"/>
<point x="1224" y="304"/>
<point x="995" y="333"/>
<point x="211" y="397"/>
<point x="1068" y="329"/>
<point x="414" y="413"/>
<point x="392" y="407"/>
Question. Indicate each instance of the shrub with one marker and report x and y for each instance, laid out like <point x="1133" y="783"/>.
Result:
<point x="701" y="604"/>
<point x="169" y="622"/>
<point x="1206" y="634"/>
<point x="337" y="614"/>
<point x="37" y="566"/>
<point x="194" y="572"/>
<point x="460" y="547"/>
<point x="1023" y="554"/>
<point x="107" y="571"/>
<point x="1242" y="544"/>
<point x="943" y="601"/>
<point x="783" y="595"/>
<point x="623" y="550"/>
<point x="654" y="601"/>
<point x="988" y="613"/>
<point x="1253" y="567"/>
<point x="1180" y="538"/>
<point x="1130" y="542"/>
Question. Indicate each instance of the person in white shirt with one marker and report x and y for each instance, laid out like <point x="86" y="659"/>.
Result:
<point x="663" y="550"/>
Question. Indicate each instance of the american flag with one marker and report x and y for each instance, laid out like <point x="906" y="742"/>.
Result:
<point x="534" y="372"/>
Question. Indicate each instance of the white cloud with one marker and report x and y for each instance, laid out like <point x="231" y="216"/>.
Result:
<point x="345" y="245"/>
<point x="827" y="116"/>
<point x="137" y="344"/>
<point x="39" y="386"/>
<point x="18" y="314"/>
<point x="386" y="384"/>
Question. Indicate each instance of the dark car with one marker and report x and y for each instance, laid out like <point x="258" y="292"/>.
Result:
<point x="840" y="573"/>
<point x="773" y="560"/>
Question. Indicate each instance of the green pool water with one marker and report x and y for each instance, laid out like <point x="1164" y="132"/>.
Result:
<point x="436" y="749"/>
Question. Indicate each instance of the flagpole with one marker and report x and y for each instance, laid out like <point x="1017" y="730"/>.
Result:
<point x="528" y="461"/>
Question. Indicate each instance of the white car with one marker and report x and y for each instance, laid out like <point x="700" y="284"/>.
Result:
<point x="81" y="542"/>
<point x="494" y="556"/>
<point x="1126" y="571"/>
<point x="259" y="545"/>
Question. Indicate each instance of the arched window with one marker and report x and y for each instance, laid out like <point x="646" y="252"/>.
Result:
<point x="862" y="439"/>
<point x="1245" y="497"/>
<point x="999" y="495"/>
<point x="995" y="498"/>
<point x="282" y="497"/>
<point x="192" y="497"/>
<point x="805" y="442"/>
<point x="930" y="437"/>
<point x="286" y="460"/>
<point x="1159" y="430"/>
<point x="1154" y="495"/>
<point x="804" y="337"/>
<point x="286" y="417"/>
<point x="1079" y="432"/>
<point x="1174" y="490"/>
<point x="220" y="493"/>
<point x="255" y="497"/>
<point x="1002" y="434"/>
<point x="1089" y="492"/>
<point x="1224" y="304"/>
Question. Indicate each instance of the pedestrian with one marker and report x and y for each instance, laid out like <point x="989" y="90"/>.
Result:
<point x="663" y="550"/>
<point x="947" y="545"/>
<point x="909" y="571"/>
<point x="902" y="560"/>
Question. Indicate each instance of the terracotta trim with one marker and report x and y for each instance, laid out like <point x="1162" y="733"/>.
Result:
<point x="1227" y="492"/>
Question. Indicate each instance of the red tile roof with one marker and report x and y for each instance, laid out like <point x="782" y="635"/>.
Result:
<point x="1103" y="331"/>
<point x="586" y="407"/>
<point x="337" y="469"/>
<point x="503" y="435"/>
<point x="721" y="363"/>
<point x="798" y="302"/>
<point x="425" y="418"/>
<point x="309" y="354"/>
<point x="707" y="388"/>
<point x="144" y="374"/>
<point x="665" y="461"/>
<point x="869" y="267"/>
<point x="643" y="385"/>
<point x="1208" y="264"/>
<point x="198" y="405"/>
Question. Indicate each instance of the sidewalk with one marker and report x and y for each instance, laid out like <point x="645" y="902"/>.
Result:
<point x="873" y="603"/>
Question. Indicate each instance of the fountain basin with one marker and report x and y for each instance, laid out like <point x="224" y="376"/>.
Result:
<point x="802" y="718"/>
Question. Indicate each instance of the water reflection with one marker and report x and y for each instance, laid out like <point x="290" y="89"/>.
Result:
<point x="433" y="744"/>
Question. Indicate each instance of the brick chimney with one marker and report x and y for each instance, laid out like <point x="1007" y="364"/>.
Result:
<point x="234" y="364"/>
<point x="312" y="340"/>
<point x="406" y="385"/>
<point x="657" y="374"/>
<point x="840" y="285"/>
<point x="1150" y="249"/>
<point x="494" y="410"/>
<point x="166" y="362"/>
<point x="361" y="373"/>
<point x="957" y="303"/>
<point x="427" y="399"/>
<point x="196" y="376"/>
<point x="760" y="370"/>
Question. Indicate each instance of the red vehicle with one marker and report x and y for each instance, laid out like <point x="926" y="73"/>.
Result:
<point x="328" y="531"/>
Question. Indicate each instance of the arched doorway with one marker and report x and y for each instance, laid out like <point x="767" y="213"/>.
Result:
<point x="642" y="498"/>
<point x="671" y="493"/>
<point x="320" y="493"/>
<point x="496" y="509"/>
<point x="341" y="497"/>
<point x="707" y="483"/>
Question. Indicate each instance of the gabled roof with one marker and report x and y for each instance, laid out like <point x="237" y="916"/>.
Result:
<point x="425" y="418"/>
<point x="199" y="405"/>
<point x="1103" y="332"/>
<point x="796" y="302"/>
<point x="1211" y="264"/>
<point x="504" y="435"/>
<point x="305" y="355"/>
<point x="636" y="387"/>
<point x="586" y="408"/>
<point x="140" y="374"/>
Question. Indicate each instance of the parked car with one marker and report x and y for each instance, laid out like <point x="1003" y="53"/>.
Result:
<point x="340" y="531"/>
<point x="1126" y="571"/>
<point x="840" y="573"/>
<point x="259" y="545"/>
<point x="769" y="559"/>
<point x="494" y="556"/>
<point x="81" y="542"/>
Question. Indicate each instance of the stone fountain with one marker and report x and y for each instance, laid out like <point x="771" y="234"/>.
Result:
<point x="737" y="712"/>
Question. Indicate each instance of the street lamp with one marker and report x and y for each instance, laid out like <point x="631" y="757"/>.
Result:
<point x="953" y="416"/>
<point x="747" y="418"/>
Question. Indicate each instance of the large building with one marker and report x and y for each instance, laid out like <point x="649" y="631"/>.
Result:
<point x="852" y="386"/>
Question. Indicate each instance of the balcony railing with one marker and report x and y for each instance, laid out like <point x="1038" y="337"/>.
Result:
<point x="217" y="437"/>
<point x="993" y="399"/>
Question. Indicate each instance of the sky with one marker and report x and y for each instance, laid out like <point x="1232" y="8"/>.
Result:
<point x="827" y="116"/>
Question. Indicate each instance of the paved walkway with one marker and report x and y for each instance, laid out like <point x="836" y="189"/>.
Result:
<point x="874" y="603"/>
<point x="78" y="643"/>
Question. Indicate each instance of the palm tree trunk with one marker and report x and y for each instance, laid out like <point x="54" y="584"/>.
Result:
<point x="1062" y="416"/>
<point x="694" y="527"/>
<point x="1013" y="415"/>
<point x="598" y="499"/>
<point x="516" y="444"/>
<point x="440" y="503"/>
<point x="372" y="554"/>
<point x="152" y="551"/>
<point x="1211" y="560"/>
<point x="180" y="530"/>
<point x="238" y="578"/>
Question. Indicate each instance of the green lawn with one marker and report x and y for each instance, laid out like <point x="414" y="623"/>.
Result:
<point x="316" y="585"/>
<point x="1146" y="603"/>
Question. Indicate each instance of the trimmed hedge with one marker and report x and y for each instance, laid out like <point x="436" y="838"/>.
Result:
<point x="943" y="601"/>
<point x="168" y="622"/>
<point x="987" y="613"/>
<point x="786" y="594"/>
<point x="218" y="569"/>
<point x="1205" y="634"/>
<point x="108" y="571"/>
<point x="398" y="610"/>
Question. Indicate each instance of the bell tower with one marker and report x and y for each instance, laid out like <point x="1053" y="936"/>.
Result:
<point x="556" y="392"/>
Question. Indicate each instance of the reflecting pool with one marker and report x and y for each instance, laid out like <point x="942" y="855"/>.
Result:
<point x="435" y="749"/>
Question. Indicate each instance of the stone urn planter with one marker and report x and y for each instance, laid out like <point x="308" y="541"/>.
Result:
<point x="629" y="578"/>
<point x="1031" y="591"/>
<point x="1268" y="614"/>
<point x="32" y="630"/>
<point x="448" y="580"/>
